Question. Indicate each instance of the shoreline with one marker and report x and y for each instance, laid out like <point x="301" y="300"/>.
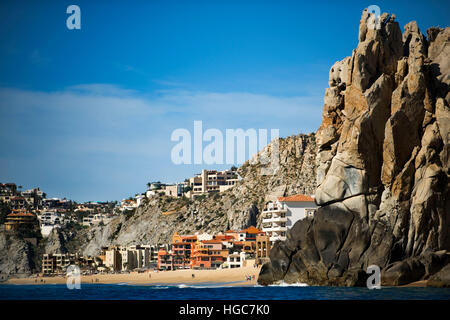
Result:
<point x="222" y="277"/>
<point x="226" y="277"/>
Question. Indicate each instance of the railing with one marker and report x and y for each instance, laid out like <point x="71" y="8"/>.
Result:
<point x="274" y="219"/>
<point x="274" y="209"/>
<point x="277" y="228"/>
<point x="279" y="219"/>
<point x="275" y="238"/>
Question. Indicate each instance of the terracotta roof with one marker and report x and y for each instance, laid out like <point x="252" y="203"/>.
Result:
<point x="251" y="230"/>
<point x="297" y="198"/>
<point x="211" y="241"/>
<point x="230" y="231"/>
<point x="20" y="214"/>
<point x="188" y="237"/>
<point x="223" y="237"/>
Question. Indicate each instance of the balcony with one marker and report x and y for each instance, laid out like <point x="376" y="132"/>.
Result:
<point x="274" y="219"/>
<point x="275" y="238"/>
<point x="279" y="219"/>
<point x="267" y="220"/>
<point x="279" y="228"/>
<point x="274" y="209"/>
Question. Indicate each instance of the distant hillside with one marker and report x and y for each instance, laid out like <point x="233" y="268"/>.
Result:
<point x="237" y="208"/>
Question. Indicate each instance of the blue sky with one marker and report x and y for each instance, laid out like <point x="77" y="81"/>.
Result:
<point x="87" y="114"/>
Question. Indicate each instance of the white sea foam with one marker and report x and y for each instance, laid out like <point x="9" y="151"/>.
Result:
<point x="212" y="285"/>
<point x="284" y="284"/>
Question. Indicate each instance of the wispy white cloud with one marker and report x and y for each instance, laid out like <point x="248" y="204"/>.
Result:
<point x="85" y="132"/>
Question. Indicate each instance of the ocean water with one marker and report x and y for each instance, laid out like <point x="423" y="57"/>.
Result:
<point x="208" y="291"/>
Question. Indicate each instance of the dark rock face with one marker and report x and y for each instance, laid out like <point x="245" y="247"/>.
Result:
<point x="382" y="166"/>
<point x="17" y="256"/>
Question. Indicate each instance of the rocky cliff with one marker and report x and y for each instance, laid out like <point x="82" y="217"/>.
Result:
<point x="382" y="165"/>
<point x="237" y="208"/>
<point x="17" y="256"/>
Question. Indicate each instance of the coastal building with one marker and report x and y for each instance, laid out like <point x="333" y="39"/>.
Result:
<point x="58" y="262"/>
<point x="236" y="260"/>
<point x="182" y="247"/>
<point x="208" y="254"/>
<point x="165" y="260"/>
<point x="8" y="189"/>
<point x="128" y="204"/>
<point x="233" y="234"/>
<point x="33" y="197"/>
<point x="126" y="258"/>
<point x="211" y="181"/>
<point x="18" y="218"/>
<point x="95" y="219"/>
<point x="49" y="220"/>
<point x="113" y="258"/>
<point x="262" y="249"/>
<point x="174" y="190"/>
<point x="249" y="234"/>
<point x="139" y="199"/>
<point x="245" y="246"/>
<point x="262" y="246"/>
<point x="153" y="253"/>
<point x="281" y="215"/>
<point x="120" y="258"/>
<point x="140" y="256"/>
<point x="18" y="203"/>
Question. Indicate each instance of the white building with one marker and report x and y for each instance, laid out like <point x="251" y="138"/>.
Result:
<point x="139" y="199"/>
<point x="128" y="204"/>
<point x="235" y="260"/>
<point x="49" y="220"/>
<point x="203" y="236"/>
<point x="212" y="181"/>
<point x="280" y="216"/>
<point x="120" y="258"/>
<point x="95" y="219"/>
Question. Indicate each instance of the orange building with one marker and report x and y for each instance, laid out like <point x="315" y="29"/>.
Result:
<point x="17" y="218"/>
<point x="224" y="237"/>
<point x="165" y="260"/>
<point x="208" y="254"/>
<point x="182" y="246"/>
<point x="233" y="234"/>
<point x="245" y="246"/>
<point x="249" y="234"/>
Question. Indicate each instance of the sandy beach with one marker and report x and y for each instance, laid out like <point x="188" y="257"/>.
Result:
<point x="236" y="276"/>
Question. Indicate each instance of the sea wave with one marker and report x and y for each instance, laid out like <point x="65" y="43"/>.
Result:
<point x="284" y="284"/>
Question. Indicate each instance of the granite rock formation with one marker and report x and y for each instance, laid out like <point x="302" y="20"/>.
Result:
<point x="382" y="165"/>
